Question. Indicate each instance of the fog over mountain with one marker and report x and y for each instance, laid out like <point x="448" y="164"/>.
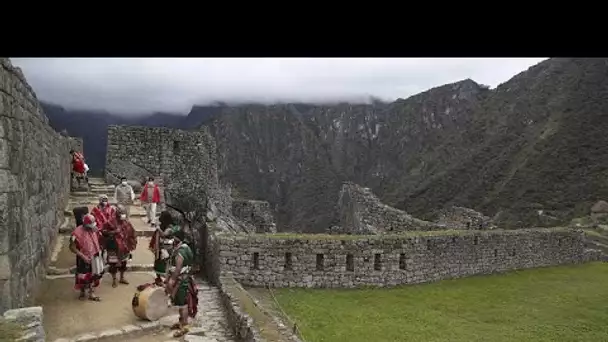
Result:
<point x="528" y="151"/>
<point x="132" y="86"/>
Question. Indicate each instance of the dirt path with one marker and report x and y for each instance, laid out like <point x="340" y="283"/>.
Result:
<point x="67" y="317"/>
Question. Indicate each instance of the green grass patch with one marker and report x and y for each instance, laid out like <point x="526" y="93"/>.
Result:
<point x="566" y="303"/>
<point x="9" y="331"/>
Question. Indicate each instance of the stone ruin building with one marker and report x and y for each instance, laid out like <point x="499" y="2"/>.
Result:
<point x="362" y="213"/>
<point x="257" y="213"/>
<point x="463" y="218"/>
<point x="599" y="210"/>
<point x="390" y="247"/>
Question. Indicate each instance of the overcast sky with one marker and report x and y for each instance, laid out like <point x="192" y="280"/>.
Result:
<point x="136" y="85"/>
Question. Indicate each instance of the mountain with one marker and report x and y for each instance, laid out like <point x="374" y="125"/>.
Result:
<point x="92" y="126"/>
<point x="536" y="142"/>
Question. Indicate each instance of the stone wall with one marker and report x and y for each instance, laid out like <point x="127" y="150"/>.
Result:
<point x="30" y="320"/>
<point x="257" y="213"/>
<point x="361" y="212"/>
<point x="183" y="159"/>
<point x="463" y="218"/>
<point x="349" y="261"/>
<point x="34" y="187"/>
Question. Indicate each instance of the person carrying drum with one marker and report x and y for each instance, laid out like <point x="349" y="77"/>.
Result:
<point x="161" y="245"/>
<point x="180" y="283"/>
<point x="120" y="241"/>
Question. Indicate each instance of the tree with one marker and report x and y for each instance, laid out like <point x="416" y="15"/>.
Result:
<point x="192" y="204"/>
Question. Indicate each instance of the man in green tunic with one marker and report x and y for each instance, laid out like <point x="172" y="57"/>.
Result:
<point x="161" y="245"/>
<point x="180" y="283"/>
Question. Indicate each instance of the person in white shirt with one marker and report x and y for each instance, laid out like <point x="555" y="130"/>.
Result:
<point x="124" y="195"/>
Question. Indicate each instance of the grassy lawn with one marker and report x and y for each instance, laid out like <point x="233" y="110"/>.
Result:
<point x="568" y="303"/>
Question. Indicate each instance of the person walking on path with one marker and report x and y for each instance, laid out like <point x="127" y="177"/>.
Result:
<point x="124" y="195"/>
<point x="120" y="241"/>
<point x="84" y="242"/>
<point x="79" y="168"/>
<point x="150" y="197"/>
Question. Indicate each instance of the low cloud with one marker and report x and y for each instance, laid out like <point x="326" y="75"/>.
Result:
<point x="138" y="85"/>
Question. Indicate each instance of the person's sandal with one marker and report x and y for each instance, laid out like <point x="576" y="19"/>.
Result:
<point x="94" y="298"/>
<point x="122" y="281"/>
<point x="176" y="326"/>
<point x="181" y="332"/>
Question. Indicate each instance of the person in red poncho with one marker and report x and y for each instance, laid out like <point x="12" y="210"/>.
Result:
<point x="78" y="166"/>
<point x="150" y="197"/>
<point x="84" y="242"/>
<point x="120" y="241"/>
<point x="103" y="213"/>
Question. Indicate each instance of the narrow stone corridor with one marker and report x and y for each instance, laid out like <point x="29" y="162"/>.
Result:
<point x="68" y="319"/>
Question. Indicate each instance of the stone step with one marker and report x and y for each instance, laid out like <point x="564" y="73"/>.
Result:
<point x="54" y="271"/>
<point x="119" y="334"/>
<point x="138" y="215"/>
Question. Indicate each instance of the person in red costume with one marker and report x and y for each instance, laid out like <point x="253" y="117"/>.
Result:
<point x="103" y="213"/>
<point x="78" y="166"/>
<point x="150" y="197"/>
<point x="120" y="241"/>
<point x="84" y="242"/>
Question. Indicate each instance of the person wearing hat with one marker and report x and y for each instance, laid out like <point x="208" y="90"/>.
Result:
<point x="161" y="244"/>
<point x="103" y="211"/>
<point x="120" y="241"/>
<point x="84" y="242"/>
<point x="180" y="283"/>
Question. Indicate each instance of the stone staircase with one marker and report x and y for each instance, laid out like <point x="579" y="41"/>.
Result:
<point x="142" y="258"/>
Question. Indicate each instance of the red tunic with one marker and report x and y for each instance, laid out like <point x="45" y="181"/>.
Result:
<point x="155" y="195"/>
<point x="78" y="163"/>
<point x="124" y="234"/>
<point x="103" y="214"/>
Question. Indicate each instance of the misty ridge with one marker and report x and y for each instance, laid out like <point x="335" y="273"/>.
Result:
<point x="535" y="143"/>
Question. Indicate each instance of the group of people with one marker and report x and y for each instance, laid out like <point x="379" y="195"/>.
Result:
<point x="107" y="237"/>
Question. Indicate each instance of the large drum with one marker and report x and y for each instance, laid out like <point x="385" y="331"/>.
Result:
<point x="150" y="303"/>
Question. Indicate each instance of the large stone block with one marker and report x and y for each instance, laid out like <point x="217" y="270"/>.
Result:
<point x="5" y="154"/>
<point x="5" y="267"/>
<point x="34" y="186"/>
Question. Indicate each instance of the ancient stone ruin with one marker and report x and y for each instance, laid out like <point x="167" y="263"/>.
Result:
<point x="599" y="211"/>
<point x="463" y="218"/>
<point x="257" y="213"/>
<point x="34" y="187"/>
<point x="390" y="247"/>
<point x="361" y="212"/>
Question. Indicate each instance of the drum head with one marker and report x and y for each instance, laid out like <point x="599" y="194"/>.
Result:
<point x="150" y="304"/>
